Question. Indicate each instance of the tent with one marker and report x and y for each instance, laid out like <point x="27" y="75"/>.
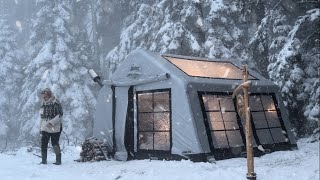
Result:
<point x="162" y="106"/>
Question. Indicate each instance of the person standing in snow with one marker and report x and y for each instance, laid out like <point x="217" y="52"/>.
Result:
<point x="51" y="124"/>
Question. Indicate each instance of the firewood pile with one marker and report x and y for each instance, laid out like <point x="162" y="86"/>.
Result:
<point x="94" y="150"/>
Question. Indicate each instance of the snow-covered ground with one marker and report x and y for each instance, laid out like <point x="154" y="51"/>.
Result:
<point x="302" y="164"/>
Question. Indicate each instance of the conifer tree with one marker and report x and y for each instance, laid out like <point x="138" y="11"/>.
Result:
<point x="228" y="26"/>
<point x="55" y="64"/>
<point x="296" y="71"/>
<point x="10" y="78"/>
<point x="161" y="26"/>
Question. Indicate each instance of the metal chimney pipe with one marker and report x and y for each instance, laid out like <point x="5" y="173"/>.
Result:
<point x="96" y="78"/>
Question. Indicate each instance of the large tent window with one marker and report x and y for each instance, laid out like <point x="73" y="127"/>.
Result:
<point x="222" y="120"/>
<point x="266" y="120"/>
<point x="154" y="120"/>
<point x="223" y="123"/>
<point x="207" y="69"/>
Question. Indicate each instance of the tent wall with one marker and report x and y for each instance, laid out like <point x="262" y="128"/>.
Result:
<point x="129" y="129"/>
<point x="285" y="118"/>
<point x="103" y="125"/>
<point x="121" y="107"/>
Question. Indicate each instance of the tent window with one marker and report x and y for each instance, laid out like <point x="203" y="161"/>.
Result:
<point x="266" y="120"/>
<point x="202" y="68"/>
<point x="154" y="120"/>
<point x="222" y="120"/>
<point x="219" y="139"/>
<point x="264" y="136"/>
<point x="225" y="128"/>
<point x="259" y="120"/>
<point x="145" y="103"/>
<point x="234" y="138"/>
<point x="146" y="140"/>
<point x="146" y="122"/>
<point x="272" y="119"/>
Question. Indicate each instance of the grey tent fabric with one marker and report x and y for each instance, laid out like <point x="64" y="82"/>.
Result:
<point x="103" y="126"/>
<point x="192" y="126"/>
<point x="121" y="94"/>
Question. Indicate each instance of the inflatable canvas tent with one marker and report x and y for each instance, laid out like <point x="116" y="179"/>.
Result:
<point x="176" y="107"/>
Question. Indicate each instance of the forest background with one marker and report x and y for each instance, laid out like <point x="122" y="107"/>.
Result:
<point x="53" y="43"/>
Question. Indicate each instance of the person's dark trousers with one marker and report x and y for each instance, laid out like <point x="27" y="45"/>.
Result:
<point x="55" y="144"/>
<point x="45" y="137"/>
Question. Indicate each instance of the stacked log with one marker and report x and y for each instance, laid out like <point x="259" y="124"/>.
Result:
<point x="94" y="150"/>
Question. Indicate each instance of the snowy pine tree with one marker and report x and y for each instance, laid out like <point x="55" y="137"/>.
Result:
<point x="198" y="28"/>
<point x="81" y="20"/>
<point x="296" y="71"/>
<point x="55" y="64"/>
<point x="228" y="30"/>
<point x="164" y="26"/>
<point x="10" y="78"/>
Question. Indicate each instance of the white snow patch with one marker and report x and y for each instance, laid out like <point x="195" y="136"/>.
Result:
<point x="302" y="164"/>
<point x="314" y="14"/>
<point x="315" y="111"/>
<point x="216" y="5"/>
<point x="199" y="22"/>
<point x="19" y="25"/>
<point x="173" y="45"/>
<point x="45" y="75"/>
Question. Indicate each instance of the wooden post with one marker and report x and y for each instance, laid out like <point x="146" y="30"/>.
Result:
<point x="250" y="160"/>
<point x="245" y="87"/>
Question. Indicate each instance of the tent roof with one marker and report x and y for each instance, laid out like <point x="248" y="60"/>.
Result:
<point x="142" y="63"/>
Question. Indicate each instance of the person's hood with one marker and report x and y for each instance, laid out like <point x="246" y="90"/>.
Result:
<point x="51" y="99"/>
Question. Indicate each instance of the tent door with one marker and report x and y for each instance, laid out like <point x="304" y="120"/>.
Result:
<point x="129" y="132"/>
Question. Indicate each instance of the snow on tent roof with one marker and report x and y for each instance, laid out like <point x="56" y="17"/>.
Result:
<point x="207" y="69"/>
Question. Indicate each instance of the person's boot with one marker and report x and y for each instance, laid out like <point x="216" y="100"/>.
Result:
<point x="43" y="157"/>
<point x="57" y="151"/>
<point x="58" y="159"/>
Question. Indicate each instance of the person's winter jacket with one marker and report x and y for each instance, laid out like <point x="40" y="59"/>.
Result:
<point x="51" y="112"/>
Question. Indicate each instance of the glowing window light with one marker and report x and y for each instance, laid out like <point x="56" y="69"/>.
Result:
<point x="154" y="120"/>
<point x="209" y="69"/>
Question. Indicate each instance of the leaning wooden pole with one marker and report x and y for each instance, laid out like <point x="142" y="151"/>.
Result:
<point x="250" y="160"/>
<point x="244" y="110"/>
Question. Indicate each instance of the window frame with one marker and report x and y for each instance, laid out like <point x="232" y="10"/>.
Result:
<point x="225" y="130"/>
<point x="269" y="128"/>
<point x="222" y="153"/>
<point x="168" y="90"/>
